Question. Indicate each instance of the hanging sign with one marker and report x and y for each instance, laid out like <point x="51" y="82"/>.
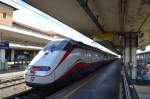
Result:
<point x="4" y="45"/>
<point x="104" y="36"/>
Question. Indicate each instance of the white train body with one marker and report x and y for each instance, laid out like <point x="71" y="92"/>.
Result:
<point x="60" y="60"/>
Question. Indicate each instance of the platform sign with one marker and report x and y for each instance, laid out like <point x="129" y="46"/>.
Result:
<point x="4" y="45"/>
<point x="104" y="36"/>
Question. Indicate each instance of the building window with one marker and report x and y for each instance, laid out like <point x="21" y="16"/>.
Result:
<point x="4" y="15"/>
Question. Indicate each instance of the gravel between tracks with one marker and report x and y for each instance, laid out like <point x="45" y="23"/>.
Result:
<point x="13" y="90"/>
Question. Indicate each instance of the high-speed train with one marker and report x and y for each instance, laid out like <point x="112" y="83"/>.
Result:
<point x="62" y="61"/>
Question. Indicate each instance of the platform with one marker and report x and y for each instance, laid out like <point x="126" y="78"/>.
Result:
<point x="103" y="84"/>
<point x="143" y="91"/>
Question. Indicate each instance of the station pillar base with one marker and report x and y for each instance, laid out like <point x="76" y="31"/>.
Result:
<point x="2" y="60"/>
<point x="12" y="55"/>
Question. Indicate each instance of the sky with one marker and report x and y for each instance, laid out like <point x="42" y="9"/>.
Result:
<point x="33" y="17"/>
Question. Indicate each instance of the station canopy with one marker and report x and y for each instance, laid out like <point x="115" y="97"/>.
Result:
<point x="105" y="21"/>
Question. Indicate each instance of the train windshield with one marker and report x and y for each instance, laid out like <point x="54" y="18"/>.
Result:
<point x="56" y="45"/>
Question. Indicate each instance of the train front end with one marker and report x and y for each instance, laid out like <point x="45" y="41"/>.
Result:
<point x="40" y="71"/>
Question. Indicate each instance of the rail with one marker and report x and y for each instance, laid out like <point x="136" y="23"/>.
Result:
<point x="127" y="90"/>
<point x="11" y="82"/>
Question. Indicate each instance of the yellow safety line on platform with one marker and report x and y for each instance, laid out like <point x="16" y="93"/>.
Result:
<point x="74" y="90"/>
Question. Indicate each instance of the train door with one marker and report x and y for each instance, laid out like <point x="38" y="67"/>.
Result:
<point x="86" y="55"/>
<point x="82" y="55"/>
<point x="89" y="56"/>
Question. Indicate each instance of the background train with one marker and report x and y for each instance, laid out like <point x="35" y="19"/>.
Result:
<point x="63" y="61"/>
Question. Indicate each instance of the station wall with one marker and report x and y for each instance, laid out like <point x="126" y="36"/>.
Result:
<point x="6" y="15"/>
<point x="14" y="55"/>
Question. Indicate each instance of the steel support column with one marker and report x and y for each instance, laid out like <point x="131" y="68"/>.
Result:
<point x="2" y="56"/>
<point x="2" y="59"/>
<point x="12" y="55"/>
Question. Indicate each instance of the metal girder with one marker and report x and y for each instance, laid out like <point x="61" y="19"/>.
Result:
<point x="83" y="4"/>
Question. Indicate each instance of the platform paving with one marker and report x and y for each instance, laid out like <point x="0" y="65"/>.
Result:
<point x="103" y="84"/>
<point x="143" y="91"/>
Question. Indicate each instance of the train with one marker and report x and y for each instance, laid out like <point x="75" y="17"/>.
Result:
<point x="62" y="61"/>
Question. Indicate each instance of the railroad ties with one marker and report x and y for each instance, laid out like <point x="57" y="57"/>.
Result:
<point x="32" y="94"/>
<point x="12" y="82"/>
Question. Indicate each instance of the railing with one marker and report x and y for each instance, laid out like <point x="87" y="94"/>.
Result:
<point x="127" y="89"/>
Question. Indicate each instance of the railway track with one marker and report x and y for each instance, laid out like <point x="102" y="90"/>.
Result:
<point x="32" y="94"/>
<point x="36" y="93"/>
<point x="11" y="82"/>
<point x="26" y="94"/>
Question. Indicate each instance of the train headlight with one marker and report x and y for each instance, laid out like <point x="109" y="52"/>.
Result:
<point x="40" y="68"/>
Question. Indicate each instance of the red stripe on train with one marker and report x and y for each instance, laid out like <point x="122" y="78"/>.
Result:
<point x="75" y="67"/>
